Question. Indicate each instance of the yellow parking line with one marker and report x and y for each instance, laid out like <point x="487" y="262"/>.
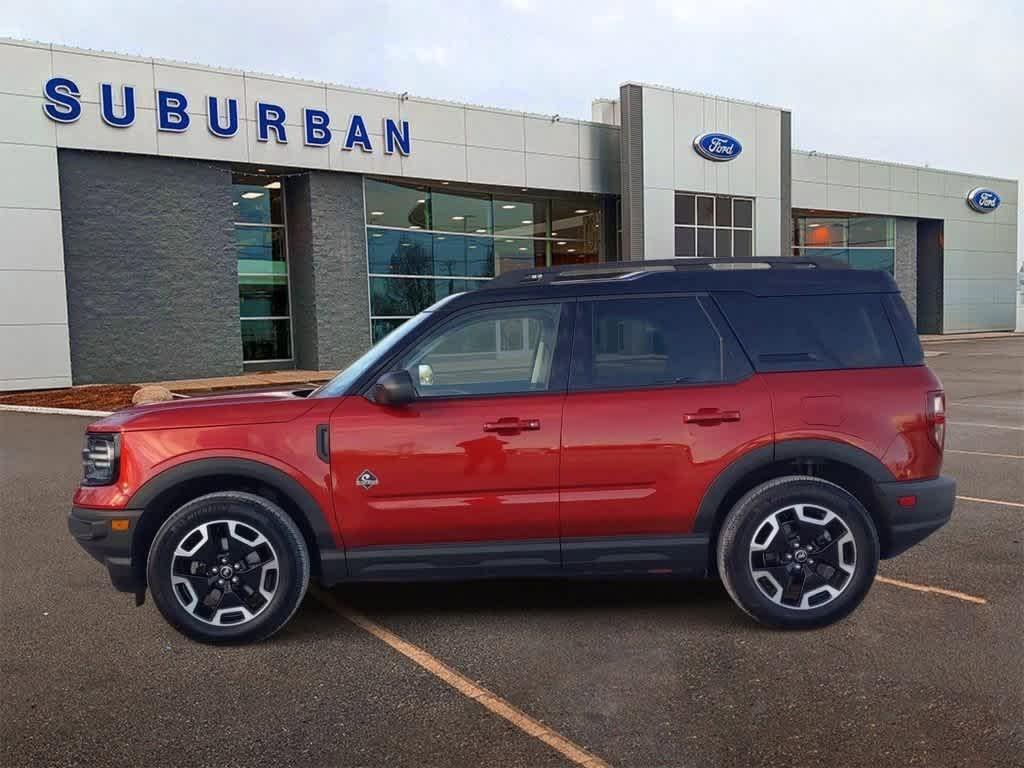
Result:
<point x="986" y="453"/>
<point x="492" y="702"/>
<point x="933" y="590"/>
<point x="992" y="501"/>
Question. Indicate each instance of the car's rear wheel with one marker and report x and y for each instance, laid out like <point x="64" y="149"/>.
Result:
<point x="228" y="567"/>
<point x="798" y="552"/>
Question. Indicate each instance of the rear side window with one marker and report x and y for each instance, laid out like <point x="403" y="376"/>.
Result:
<point x="806" y="333"/>
<point x="906" y="333"/>
<point x="645" y="342"/>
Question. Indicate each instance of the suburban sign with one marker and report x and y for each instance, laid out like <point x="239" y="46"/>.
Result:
<point x="983" y="200"/>
<point x="717" y="146"/>
<point x="63" y="105"/>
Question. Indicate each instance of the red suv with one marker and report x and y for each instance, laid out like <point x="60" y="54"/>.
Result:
<point x="767" y="421"/>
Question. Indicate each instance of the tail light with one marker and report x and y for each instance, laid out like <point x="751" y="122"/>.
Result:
<point x="937" y="417"/>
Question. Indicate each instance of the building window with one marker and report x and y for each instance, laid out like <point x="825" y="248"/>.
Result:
<point x="425" y="242"/>
<point x="862" y="242"/>
<point x="713" y="226"/>
<point x="263" y="294"/>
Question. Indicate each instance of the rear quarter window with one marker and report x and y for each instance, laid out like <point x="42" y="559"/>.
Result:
<point x="807" y="333"/>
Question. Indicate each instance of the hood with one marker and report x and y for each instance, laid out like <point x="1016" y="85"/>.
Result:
<point x="210" y="411"/>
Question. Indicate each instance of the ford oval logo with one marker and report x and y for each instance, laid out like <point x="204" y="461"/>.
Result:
<point x="983" y="200"/>
<point x="717" y="146"/>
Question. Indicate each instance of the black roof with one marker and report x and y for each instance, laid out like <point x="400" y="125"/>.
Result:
<point x="769" y="276"/>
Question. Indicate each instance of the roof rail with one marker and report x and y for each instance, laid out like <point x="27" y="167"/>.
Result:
<point x="631" y="270"/>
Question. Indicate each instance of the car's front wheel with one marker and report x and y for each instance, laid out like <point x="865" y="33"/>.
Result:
<point x="228" y="567"/>
<point x="798" y="552"/>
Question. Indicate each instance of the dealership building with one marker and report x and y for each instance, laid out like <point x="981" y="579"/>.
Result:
<point x="164" y="220"/>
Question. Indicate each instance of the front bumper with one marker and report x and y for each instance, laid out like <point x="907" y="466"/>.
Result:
<point x="901" y="527"/>
<point x="91" y="528"/>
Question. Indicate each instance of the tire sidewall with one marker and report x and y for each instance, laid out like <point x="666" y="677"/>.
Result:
<point x="262" y="515"/>
<point x="756" y="507"/>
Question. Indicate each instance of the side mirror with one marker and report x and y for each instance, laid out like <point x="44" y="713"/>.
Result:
<point x="394" y="388"/>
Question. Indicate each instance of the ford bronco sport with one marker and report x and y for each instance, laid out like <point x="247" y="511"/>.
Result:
<point x="769" y="422"/>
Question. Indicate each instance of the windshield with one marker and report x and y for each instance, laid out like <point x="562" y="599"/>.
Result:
<point x="341" y="383"/>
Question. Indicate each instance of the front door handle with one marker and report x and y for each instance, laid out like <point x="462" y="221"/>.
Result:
<point x="708" y="417"/>
<point x="512" y="425"/>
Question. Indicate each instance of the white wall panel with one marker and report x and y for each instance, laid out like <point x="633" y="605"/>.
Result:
<point x="357" y="161"/>
<point x="88" y="70"/>
<point x="809" y="194"/>
<point x="659" y="224"/>
<point x="599" y="176"/>
<point x="875" y="175"/>
<point x="495" y="166"/>
<point x="30" y="239"/>
<point x="25" y="68"/>
<point x="549" y="137"/>
<point x="599" y="141"/>
<point x="690" y="168"/>
<point x="32" y="297"/>
<point x="904" y="179"/>
<point x="435" y="122"/>
<point x="291" y="95"/>
<point x="767" y="223"/>
<point x="874" y="201"/>
<point x="34" y="356"/>
<point x="751" y="171"/>
<point x="843" y="198"/>
<point x="342" y="104"/>
<point x="198" y="84"/>
<point x="843" y="172"/>
<point x="769" y="152"/>
<point x="436" y="160"/>
<point x="552" y="172"/>
<point x="659" y="139"/>
<point x="807" y="167"/>
<point x="495" y="130"/>
<point x="24" y="121"/>
<point x="198" y="142"/>
<point x="35" y="169"/>
<point x="90" y="132"/>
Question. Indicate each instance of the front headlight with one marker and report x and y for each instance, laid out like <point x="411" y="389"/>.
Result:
<point x="100" y="458"/>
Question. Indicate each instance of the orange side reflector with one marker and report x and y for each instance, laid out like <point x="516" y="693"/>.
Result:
<point x="120" y="524"/>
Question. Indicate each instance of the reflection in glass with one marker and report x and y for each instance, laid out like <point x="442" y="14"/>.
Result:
<point x="512" y="254"/>
<point x="393" y="205"/>
<point x="742" y="243"/>
<point x="263" y="295"/>
<point x="463" y="212"/>
<point x="706" y="211"/>
<point x="266" y="340"/>
<point x="686" y="242"/>
<point x="406" y="296"/>
<point x="260" y="250"/>
<point x="521" y="217"/>
<point x="742" y="213"/>
<point x="705" y="243"/>
<point x="255" y="203"/>
<point x="685" y="206"/>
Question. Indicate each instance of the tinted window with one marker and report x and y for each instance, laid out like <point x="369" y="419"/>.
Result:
<point x="800" y="333"/>
<point x="906" y="333"/>
<point x="646" y="342"/>
<point x="488" y="351"/>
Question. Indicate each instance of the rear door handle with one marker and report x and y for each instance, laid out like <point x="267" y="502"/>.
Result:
<point x="512" y="425"/>
<point x="710" y="416"/>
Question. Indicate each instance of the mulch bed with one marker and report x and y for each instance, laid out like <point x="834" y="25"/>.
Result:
<point x="101" y="397"/>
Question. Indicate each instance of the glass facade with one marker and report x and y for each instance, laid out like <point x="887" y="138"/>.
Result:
<point x="713" y="226"/>
<point x="425" y="242"/>
<point x="263" y="296"/>
<point x="862" y="242"/>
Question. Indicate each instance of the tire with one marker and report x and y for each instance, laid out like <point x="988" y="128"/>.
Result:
<point x="798" y="552"/>
<point x="241" y="595"/>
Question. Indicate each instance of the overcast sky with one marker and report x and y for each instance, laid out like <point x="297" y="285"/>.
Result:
<point x="936" y="82"/>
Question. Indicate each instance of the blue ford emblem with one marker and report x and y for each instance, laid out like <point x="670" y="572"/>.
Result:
<point x="983" y="200"/>
<point x="717" y="146"/>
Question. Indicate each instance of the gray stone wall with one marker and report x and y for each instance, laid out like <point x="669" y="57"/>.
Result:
<point x="327" y="249"/>
<point x="152" y="281"/>
<point x="905" y="264"/>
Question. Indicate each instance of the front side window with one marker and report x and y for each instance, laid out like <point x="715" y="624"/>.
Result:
<point x="488" y="352"/>
<point x="646" y="342"/>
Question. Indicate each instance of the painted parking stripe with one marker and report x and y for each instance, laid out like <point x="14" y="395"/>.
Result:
<point x="985" y="426"/>
<point x="490" y="701"/>
<point x="986" y="453"/>
<point x="933" y="590"/>
<point x="992" y="501"/>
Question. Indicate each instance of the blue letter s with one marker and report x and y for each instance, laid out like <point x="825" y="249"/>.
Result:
<point x="62" y="100"/>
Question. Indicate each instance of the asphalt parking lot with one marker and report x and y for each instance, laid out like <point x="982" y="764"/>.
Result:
<point x="631" y="673"/>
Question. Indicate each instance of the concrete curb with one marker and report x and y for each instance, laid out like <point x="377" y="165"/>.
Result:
<point x="54" y="411"/>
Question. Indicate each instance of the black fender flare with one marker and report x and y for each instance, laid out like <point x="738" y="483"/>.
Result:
<point x="832" y="450"/>
<point x="329" y="554"/>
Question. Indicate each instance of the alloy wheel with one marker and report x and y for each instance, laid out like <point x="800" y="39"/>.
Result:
<point x="802" y="556"/>
<point x="224" y="572"/>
